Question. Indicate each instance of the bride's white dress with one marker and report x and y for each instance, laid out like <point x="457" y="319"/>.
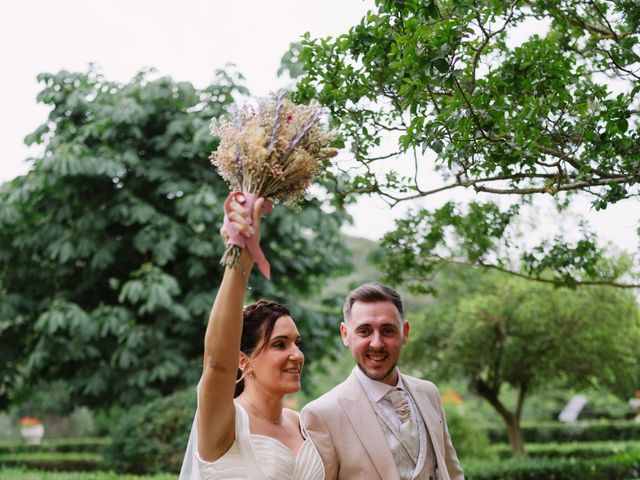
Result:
<point x="258" y="457"/>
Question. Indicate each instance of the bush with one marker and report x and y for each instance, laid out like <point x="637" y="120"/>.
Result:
<point x="9" y="427"/>
<point x="624" y="466"/>
<point x="94" y="445"/>
<point x="152" y="438"/>
<point x="69" y="461"/>
<point x="583" y="450"/>
<point x="547" y="432"/>
<point x="469" y="439"/>
<point x="22" y="474"/>
<point x="105" y="419"/>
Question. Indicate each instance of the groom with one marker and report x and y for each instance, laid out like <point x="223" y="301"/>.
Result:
<point x="378" y="423"/>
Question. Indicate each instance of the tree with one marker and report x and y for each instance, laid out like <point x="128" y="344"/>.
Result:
<point x="109" y="246"/>
<point x="510" y="332"/>
<point x="513" y="99"/>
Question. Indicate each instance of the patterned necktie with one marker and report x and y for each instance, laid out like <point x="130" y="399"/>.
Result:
<point x="398" y="399"/>
<point x="408" y="429"/>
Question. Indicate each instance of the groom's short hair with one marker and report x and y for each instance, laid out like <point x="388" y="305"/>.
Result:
<point x="370" y="293"/>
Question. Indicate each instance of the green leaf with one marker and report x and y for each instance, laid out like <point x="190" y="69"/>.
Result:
<point x="109" y="245"/>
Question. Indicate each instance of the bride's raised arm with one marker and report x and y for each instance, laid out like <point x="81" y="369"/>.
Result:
<point x="216" y="413"/>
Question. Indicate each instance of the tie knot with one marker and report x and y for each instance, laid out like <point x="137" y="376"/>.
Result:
<point x="400" y="403"/>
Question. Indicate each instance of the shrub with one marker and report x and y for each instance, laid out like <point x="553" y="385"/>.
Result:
<point x="624" y="466"/>
<point x="469" y="439"/>
<point x="92" y="444"/>
<point x="584" y="450"/>
<point x="69" y="461"/>
<point x="546" y="432"/>
<point x="22" y="474"/>
<point x="9" y="428"/>
<point x="105" y="419"/>
<point x="152" y="438"/>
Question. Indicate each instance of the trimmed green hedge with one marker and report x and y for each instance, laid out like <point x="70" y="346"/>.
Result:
<point x="88" y="444"/>
<point x="22" y="474"/>
<point x="52" y="460"/>
<point x="547" y="432"/>
<point x="584" y="450"/>
<point x="623" y="466"/>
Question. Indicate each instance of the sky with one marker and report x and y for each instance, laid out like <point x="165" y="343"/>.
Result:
<point x="187" y="40"/>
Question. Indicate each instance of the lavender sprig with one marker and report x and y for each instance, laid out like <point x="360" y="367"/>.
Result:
<point x="238" y="125"/>
<point x="277" y="122"/>
<point x="306" y="126"/>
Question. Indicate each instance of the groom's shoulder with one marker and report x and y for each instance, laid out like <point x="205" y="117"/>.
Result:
<point x="419" y="383"/>
<point x="329" y="399"/>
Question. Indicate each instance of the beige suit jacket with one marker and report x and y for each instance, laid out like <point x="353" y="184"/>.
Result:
<point x="346" y="432"/>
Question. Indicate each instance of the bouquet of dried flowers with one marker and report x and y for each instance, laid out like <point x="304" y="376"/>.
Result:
<point x="272" y="149"/>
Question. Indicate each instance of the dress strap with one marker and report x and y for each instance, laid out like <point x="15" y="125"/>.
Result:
<point x="308" y="463"/>
<point x="243" y="438"/>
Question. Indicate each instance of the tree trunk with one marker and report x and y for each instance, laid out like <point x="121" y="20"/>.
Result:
<point x="515" y="436"/>
<point x="512" y="419"/>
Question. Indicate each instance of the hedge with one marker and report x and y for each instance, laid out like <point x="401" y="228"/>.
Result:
<point x="69" y="461"/>
<point x="623" y="466"/>
<point x="87" y="444"/>
<point x="22" y="474"/>
<point x="546" y="432"/>
<point x="584" y="450"/>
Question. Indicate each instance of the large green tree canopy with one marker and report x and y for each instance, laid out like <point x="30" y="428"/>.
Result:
<point x="109" y="246"/>
<point x="509" y="100"/>
<point x="499" y="332"/>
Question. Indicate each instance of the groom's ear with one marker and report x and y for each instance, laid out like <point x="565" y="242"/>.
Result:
<point x="345" y="334"/>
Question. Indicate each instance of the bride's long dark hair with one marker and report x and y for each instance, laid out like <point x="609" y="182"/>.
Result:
<point x="258" y="320"/>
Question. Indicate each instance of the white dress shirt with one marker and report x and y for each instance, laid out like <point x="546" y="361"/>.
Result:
<point x="376" y="392"/>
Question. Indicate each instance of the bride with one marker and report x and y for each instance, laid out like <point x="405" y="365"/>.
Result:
<point x="252" y="359"/>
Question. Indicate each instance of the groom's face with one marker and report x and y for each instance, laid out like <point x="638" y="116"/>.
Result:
<point x="375" y="334"/>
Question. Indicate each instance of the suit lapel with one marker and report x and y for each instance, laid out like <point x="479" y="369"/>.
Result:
<point x="431" y="417"/>
<point x="357" y="407"/>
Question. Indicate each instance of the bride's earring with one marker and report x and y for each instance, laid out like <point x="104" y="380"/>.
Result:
<point x="241" y="377"/>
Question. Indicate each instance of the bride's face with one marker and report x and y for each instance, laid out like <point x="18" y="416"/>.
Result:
<point x="279" y="365"/>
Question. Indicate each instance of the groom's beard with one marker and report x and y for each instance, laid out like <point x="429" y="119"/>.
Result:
<point x="376" y="375"/>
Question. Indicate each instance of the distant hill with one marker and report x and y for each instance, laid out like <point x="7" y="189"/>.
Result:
<point x="365" y="270"/>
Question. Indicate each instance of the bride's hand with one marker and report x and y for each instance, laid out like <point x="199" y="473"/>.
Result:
<point x="245" y="222"/>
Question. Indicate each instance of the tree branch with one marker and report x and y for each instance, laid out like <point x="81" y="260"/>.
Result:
<point x="619" y="67"/>
<point x="602" y="15"/>
<point x="561" y="283"/>
<point x="487" y="38"/>
<point x="554" y="189"/>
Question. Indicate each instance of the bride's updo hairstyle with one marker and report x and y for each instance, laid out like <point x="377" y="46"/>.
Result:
<point x="258" y="320"/>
